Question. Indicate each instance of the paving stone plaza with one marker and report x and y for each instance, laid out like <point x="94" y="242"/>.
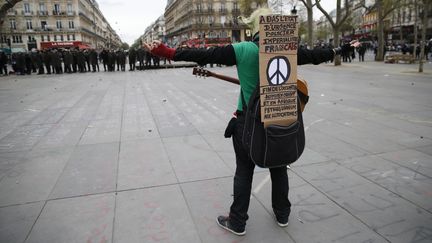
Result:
<point x="140" y="157"/>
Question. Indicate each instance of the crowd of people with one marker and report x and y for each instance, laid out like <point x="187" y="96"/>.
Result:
<point x="58" y="61"/>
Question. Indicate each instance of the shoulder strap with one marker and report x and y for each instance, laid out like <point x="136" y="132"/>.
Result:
<point x="244" y="106"/>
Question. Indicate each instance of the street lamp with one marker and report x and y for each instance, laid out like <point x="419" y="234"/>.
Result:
<point x="294" y="10"/>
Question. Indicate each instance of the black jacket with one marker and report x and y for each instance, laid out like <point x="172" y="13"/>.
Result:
<point x="225" y="55"/>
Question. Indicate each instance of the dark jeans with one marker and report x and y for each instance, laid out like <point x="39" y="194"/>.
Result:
<point x="243" y="184"/>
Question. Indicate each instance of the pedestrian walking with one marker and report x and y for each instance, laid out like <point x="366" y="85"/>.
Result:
<point x="361" y="52"/>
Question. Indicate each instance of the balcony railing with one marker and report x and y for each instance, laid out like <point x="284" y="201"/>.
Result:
<point x="12" y="12"/>
<point x="43" y="13"/>
<point x="204" y="11"/>
<point x="59" y="13"/>
<point x="235" y="11"/>
<point x="223" y="10"/>
<point x="28" y="13"/>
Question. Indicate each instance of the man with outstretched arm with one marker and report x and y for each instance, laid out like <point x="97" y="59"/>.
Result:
<point x="245" y="56"/>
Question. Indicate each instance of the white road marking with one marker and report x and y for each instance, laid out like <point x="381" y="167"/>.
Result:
<point x="319" y="120"/>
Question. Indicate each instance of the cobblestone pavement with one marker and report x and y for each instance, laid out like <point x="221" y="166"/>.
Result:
<point x="140" y="157"/>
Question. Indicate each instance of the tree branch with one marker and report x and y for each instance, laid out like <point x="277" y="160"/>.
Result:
<point x="329" y="18"/>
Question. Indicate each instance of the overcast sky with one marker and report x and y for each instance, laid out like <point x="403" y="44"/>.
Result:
<point x="130" y="18"/>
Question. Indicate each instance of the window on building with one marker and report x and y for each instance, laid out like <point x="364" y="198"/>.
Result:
<point x="71" y="24"/>
<point x="222" y="7"/>
<point x="69" y="8"/>
<point x="43" y="25"/>
<point x="210" y="19"/>
<point x="55" y="37"/>
<point x="59" y="24"/>
<point x="48" y="38"/>
<point x="42" y="38"/>
<point x="12" y="24"/>
<point x="57" y="8"/>
<point x="61" y="37"/>
<point x="68" y="37"/>
<point x="17" y="39"/>
<point x="235" y="6"/>
<point x="26" y="7"/>
<point x="31" y="38"/>
<point x="29" y="24"/>
<point x="235" y="21"/>
<point x="73" y="36"/>
<point x="42" y="7"/>
<point x="409" y="15"/>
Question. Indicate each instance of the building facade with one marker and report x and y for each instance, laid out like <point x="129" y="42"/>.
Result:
<point x="399" y="25"/>
<point x="204" y="19"/>
<point x="42" y="24"/>
<point x="156" y="31"/>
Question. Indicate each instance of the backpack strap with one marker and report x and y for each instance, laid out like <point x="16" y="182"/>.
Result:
<point x="244" y="106"/>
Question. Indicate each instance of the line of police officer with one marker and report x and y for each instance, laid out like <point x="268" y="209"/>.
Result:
<point x="59" y="61"/>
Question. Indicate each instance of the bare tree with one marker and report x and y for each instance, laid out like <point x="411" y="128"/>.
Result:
<point x="425" y="6"/>
<point x="282" y="6"/>
<point x="384" y="8"/>
<point x="245" y="5"/>
<point x="337" y="24"/>
<point x="416" y="19"/>
<point x="309" y="7"/>
<point x="5" y="6"/>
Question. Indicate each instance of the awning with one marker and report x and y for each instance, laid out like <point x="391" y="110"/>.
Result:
<point x="84" y="46"/>
<point x="66" y="44"/>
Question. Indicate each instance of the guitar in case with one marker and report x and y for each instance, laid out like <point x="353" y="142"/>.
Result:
<point x="275" y="145"/>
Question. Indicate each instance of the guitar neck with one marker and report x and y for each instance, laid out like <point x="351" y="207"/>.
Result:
<point x="226" y="78"/>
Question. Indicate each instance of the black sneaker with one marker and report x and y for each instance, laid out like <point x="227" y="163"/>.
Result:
<point x="223" y="222"/>
<point x="281" y="223"/>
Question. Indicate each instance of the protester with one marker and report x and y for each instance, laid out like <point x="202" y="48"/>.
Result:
<point x="3" y="63"/>
<point x="245" y="56"/>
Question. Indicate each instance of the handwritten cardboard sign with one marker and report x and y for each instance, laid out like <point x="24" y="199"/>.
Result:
<point x="278" y="69"/>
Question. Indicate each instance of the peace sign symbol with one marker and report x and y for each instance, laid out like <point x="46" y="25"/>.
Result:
<point x="278" y="70"/>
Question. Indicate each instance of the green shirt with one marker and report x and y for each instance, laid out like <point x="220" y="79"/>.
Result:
<point x="247" y="60"/>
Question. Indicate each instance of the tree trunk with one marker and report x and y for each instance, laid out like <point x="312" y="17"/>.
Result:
<point x="416" y="9"/>
<point x="310" y="23"/>
<point x="381" y="40"/>
<point x="423" y="41"/>
<point x="336" y="41"/>
<point x="400" y="24"/>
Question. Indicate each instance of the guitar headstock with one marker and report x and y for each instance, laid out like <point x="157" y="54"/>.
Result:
<point x="201" y="72"/>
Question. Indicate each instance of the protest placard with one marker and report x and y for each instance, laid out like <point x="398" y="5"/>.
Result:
<point x="278" y="68"/>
